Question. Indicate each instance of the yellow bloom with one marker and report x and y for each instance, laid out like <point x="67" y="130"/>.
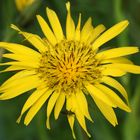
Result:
<point x="65" y="69"/>
<point x="22" y="4"/>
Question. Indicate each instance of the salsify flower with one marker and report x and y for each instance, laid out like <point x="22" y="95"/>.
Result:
<point x="65" y="69"/>
<point x="22" y="4"/>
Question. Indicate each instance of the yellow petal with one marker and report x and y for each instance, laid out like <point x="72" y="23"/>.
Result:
<point x="116" y="52"/>
<point x="95" y="92"/>
<point x="17" y="81"/>
<point x="77" y="32"/>
<point x="25" y="64"/>
<point x="125" y="67"/>
<point x="46" y="30"/>
<point x="70" y="26"/>
<point x="34" y="39"/>
<point x="30" y="101"/>
<point x="111" y="71"/>
<point x="74" y="107"/>
<point x="109" y="34"/>
<point x="107" y="111"/>
<point x="19" y="49"/>
<point x="21" y="58"/>
<point x="71" y="119"/>
<point x="114" y="97"/>
<point x="83" y="106"/>
<point x="96" y="32"/>
<point x="59" y="104"/>
<point x="19" y="87"/>
<point x="36" y="106"/>
<point x="18" y="76"/>
<point x="87" y="30"/>
<point x="70" y="106"/>
<point x="115" y="84"/>
<point x="50" y="106"/>
<point x="13" y="68"/>
<point x="81" y="120"/>
<point x="117" y="60"/>
<point x="55" y="24"/>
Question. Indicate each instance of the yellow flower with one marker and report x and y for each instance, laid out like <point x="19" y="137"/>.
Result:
<point x="22" y="4"/>
<point x="65" y="69"/>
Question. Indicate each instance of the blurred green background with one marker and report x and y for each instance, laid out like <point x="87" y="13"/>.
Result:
<point x="107" y="12"/>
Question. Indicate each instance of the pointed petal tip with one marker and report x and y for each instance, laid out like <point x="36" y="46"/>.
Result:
<point x="115" y="124"/>
<point x="73" y="134"/>
<point x="38" y="16"/>
<point x="48" y="123"/>
<point x="125" y="23"/>
<point x="55" y="116"/>
<point x="129" y="109"/>
<point x="47" y="9"/>
<point x="88" y="134"/>
<point x="91" y="120"/>
<point x="126" y="108"/>
<point x="90" y="19"/>
<point x="14" y="27"/>
<point x="103" y="27"/>
<point x="68" y="6"/>
<point x="26" y="123"/>
<point x="2" y="97"/>
<point x="19" y="119"/>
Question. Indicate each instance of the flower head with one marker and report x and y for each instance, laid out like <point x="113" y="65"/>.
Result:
<point x="22" y="4"/>
<point x="65" y="69"/>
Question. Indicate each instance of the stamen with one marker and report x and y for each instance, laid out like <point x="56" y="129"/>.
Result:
<point x="71" y="64"/>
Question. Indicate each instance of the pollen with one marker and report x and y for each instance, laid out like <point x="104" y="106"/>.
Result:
<point x="68" y="65"/>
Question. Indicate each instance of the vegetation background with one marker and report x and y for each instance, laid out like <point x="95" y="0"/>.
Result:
<point x="107" y="12"/>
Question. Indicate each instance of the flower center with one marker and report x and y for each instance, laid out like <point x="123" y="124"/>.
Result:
<point x="68" y="65"/>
